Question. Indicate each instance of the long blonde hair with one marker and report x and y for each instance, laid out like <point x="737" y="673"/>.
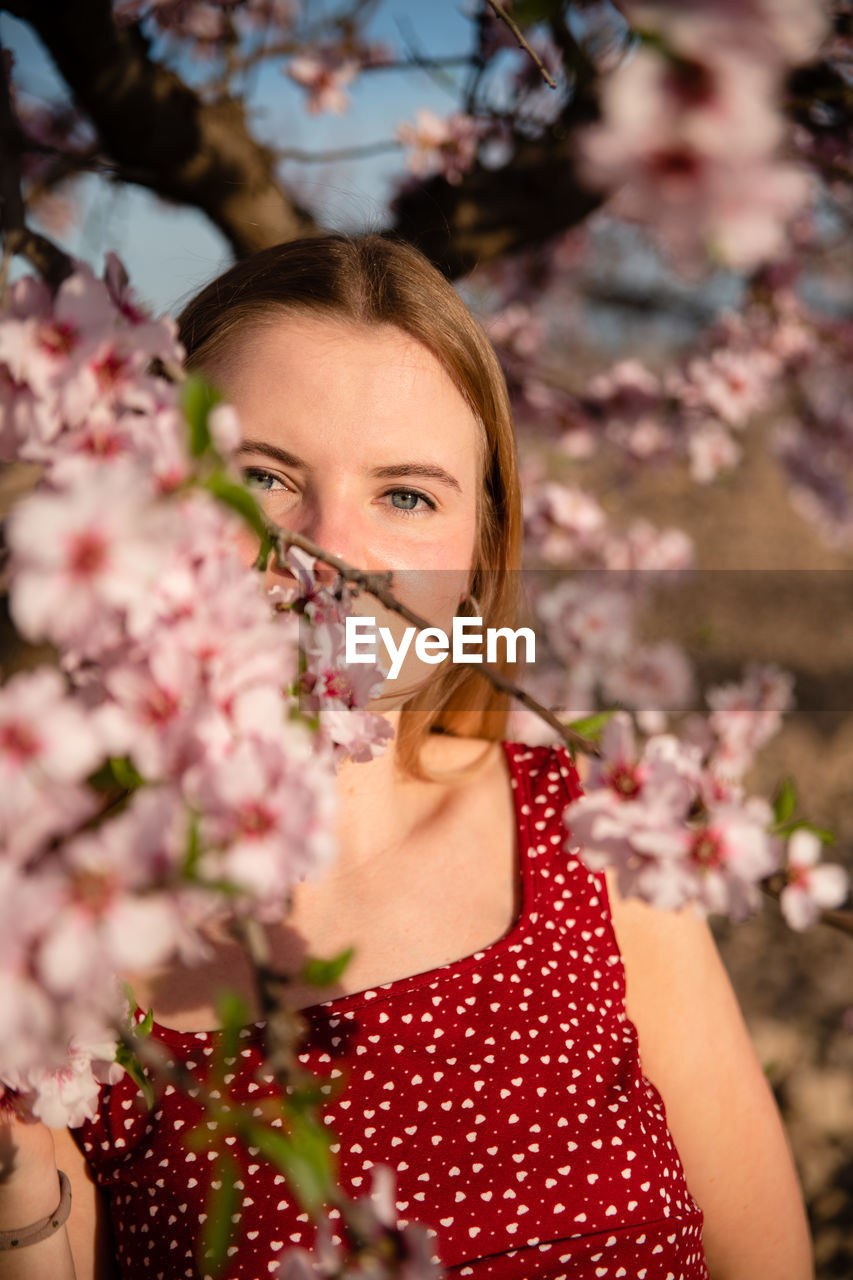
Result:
<point x="372" y="280"/>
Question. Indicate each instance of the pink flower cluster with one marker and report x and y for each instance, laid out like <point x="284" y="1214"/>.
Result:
<point x="671" y="817"/>
<point x="590" y="617"/>
<point x="690" y="137"/>
<point x="175" y="667"/>
<point x="445" y="145"/>
<point x="325" y="72"/>
<point x="638" y="817"/>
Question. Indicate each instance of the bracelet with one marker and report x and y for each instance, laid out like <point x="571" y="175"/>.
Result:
<point x="45" y="1226"/>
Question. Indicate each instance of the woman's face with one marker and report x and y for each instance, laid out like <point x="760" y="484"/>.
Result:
<point x="357" y="438"/>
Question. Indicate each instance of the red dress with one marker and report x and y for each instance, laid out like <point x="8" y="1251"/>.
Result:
<point x="504" y="1089"/>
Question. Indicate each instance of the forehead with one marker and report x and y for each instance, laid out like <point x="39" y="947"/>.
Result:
<point x="351" y="382"/>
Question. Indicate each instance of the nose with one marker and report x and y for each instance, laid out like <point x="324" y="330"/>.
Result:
<point x="334" y="533"/>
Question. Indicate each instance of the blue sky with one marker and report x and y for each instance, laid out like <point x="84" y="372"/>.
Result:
<point x="170" y="251"/>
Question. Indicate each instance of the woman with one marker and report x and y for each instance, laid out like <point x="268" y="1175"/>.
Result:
<point x="483" y="1017"/>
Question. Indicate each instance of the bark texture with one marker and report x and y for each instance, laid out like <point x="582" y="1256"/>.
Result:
<point x="161" y="134"/>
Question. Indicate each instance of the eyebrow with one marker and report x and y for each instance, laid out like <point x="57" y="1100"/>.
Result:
<point x="396" y="471"/>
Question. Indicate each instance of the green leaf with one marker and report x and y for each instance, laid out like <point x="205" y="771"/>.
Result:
<point x="802" y="824"/>
<point x="125" y="1057"/>
<point x="198" y="397"/>
<point x="222" y="1204"/>
<point x="238" y="498"/>
<point x="322" y="973"/>
<point x="192" y="856"/>
<point x="233" y="1017"/>
<point x="303" y="1156"/>
<point x="264" y="551"/>
<point x="118" y="773"/>
<point x="591" y="726"/>
<point x="785" y="800"/>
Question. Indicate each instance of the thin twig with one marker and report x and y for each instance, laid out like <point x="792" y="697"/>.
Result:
<point x="340" y="153"/>
<point x="502" y="16"/>
<point x="378" y="585"/>
<point x="284" y="1027"/>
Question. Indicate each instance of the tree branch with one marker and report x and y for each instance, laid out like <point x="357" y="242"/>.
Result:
<point x="378" y="586"/>
<point x="49" y="260"/>
<point x="158" y="128"/>
<point x="502" y="16"/>
<point x="493" y="212"/>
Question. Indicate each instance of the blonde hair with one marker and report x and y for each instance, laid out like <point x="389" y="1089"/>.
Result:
<point x="373" y="280"/>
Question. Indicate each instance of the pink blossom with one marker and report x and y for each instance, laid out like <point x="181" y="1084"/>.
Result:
<point x="442" y="145"/>
<point x="48" y="747"/>
<point x="587" y="619"/>
<point x="629" y="400"/>
<point x="517" y="328"/>
<point x="636" y="818"/>
<point x="712" y="449"/>
<point x="646" y="548"/>
<point x="265" y="815"/>
<point x="85" y="558"/>
<point x="632" y="816"/>
<point x="325" y="74"/>
<point x="70" y="1095"/>
<point x="745" y="716"/>
<point x="812" y="886"/>
<point x="652" y="677"/>
<point x="89" y="346"/>
<point x="562" y="522"/>
<point x="731" y="385"/>
<point x="688" y="145"/>
<point x="730" y="853"/>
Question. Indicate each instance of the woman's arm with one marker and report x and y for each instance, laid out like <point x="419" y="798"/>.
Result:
<point x="30" y="1157"/>
<point x="88" y="1226"/>
<point x="696" y="1050"/>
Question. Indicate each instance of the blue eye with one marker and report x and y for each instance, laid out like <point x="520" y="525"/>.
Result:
<point x="259" y="478"/>
<point x="409" y="501"/>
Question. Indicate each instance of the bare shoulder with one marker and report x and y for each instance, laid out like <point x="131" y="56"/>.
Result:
<point x="696" y="1050"/>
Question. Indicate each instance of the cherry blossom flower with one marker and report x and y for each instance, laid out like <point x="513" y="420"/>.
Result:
<point x="730" y="853"/>
<point x="48" y="747"/>
<point x="71" y="1094"/>
<point x="587" y="618"/>
<point x="563" y="522"/>
<point x="325" y="74"/>
<point x="644" y="547"/>
<point x="629" y="399"/>
<point x="637" y="816"/>
<point x="441" y="145"/>
<point x="812" y="885"/>
<point x="268" y="813"/>
<point x="86" y="558"/>
<point x="732" y="385"/>
<point x="688" y="141"/>
<point x="655" y="677"/>
<point x="745" y="716"/>
<point x="711" y="449"/>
